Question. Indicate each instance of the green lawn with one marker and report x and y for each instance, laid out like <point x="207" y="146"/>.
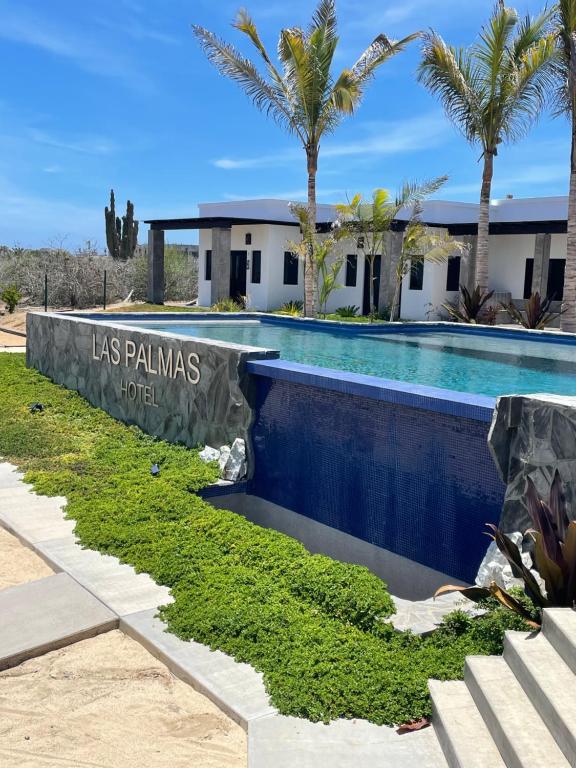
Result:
<point x="315" y="627"/>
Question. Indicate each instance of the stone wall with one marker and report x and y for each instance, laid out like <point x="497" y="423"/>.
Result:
<point x="533" y="436"/>
<point x="180" y="389"/>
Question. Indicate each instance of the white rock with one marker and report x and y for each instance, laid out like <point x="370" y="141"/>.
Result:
<point x="235" y="468"/>
<point x="495" y="567"/>
<point x="224" y="456"/>
<point x="209" y="454"/>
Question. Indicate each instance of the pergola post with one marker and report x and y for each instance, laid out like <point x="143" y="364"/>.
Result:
<point x="542" y="244"/>
<point x="156" y="266"/>
<point x="221" y="245"/>
<point x="468" y="262"/>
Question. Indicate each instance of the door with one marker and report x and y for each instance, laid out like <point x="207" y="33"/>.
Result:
<point x="375" y="284"/>
<point x="238" y="260"/>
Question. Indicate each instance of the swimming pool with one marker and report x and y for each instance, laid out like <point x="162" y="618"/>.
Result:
<point x="490" y="365"/>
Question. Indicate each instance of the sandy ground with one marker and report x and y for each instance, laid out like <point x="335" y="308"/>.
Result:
<point x="107" y="703"/>
<point x="18" y="564"/>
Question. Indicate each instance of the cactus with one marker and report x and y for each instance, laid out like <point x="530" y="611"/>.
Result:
<point x="121" y="233"/>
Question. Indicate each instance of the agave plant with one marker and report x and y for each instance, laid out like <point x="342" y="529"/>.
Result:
<point x="537" y="313"/>
<point x="469" y="306"/>
<point x="554" y="557"/>
<point x="292" y="308"/>
<point x="350" y="310"/>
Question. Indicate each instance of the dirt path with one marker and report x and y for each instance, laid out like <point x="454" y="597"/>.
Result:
<point x="107" y="703"/>
<point x="18" y="564"/>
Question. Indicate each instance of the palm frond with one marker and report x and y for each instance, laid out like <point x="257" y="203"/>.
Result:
<point x="229" y="62"/>
<point x="245" y="24"/>
<point x="325" y="17"/>
<point x="448" y="73"/>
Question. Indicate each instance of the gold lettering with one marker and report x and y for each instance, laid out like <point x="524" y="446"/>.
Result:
<point x="115" y="354"/>
<point x="179" y="368"/>
<point x="129" y="351"/>
<point x="150" y="369"/>
<point x="141" y="359"/>
<point x="193" y="372"/>
<point x="165" y="363"/>
<point x="105" y="352"/>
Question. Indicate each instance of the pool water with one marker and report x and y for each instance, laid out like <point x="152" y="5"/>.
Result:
<point x="484" y="365"/>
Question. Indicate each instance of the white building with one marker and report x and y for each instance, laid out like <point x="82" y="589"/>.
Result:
<point x="244" y="251"/>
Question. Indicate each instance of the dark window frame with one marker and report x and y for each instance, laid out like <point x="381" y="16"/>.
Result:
<point x="558" y="271"/>
<point x="291" y="263"/>
<point x="208" y="264"/>
<point x="248" y="238"/>
<point x="453" y="273"/>
<point x="351" y="270"/>
<point x="256" y="270"/>
<point x="416" y="275"/>
<point x="528" y="278"/>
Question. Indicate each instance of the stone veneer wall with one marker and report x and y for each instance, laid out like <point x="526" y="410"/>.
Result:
<point x="533" y="436"/>
<point x="215" y="409"/>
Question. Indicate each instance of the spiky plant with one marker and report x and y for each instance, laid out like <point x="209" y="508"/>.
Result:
<point x="302" y="94"/>
<point x="554" y="537"/>
<point x="536" y="314"/>
<point x="121" y="233"/>
<point x="469" y="306"/>
<point x="493" y="92"/>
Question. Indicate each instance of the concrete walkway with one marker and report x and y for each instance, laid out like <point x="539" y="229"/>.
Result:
<point x="94" y="592"/>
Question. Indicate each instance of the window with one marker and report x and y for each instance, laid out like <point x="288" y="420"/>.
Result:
<point x="528" y="277"/>
<point x="555" y="289"/>
<point x="208" y="266"/>
<point x="417" y="275"/>
<point x="256" y="266"/>
<point x="351" y="270"/>
<point x="453" y="274"/>
<point x="360" y="243"/>
<point x="248" y="238"/>
<point x="290" y="268"/>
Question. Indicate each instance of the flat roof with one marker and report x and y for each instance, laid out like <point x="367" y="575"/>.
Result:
<point x="508" y="216"/>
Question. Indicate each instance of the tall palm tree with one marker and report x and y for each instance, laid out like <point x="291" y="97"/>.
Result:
<point x="493" y="92"/>
<point x="301" y="94"/>
<point x="565" y="24"/>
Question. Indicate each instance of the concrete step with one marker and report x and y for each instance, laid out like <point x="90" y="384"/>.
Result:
<point x="559" y="628"/>
<point x="521" y="735"/>
<point x="548" y="682"/>
<point x="461" y="731"/>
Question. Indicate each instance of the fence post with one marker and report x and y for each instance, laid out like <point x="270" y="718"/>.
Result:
<point x="105" y="287"/>
<point x="45" y="291"/>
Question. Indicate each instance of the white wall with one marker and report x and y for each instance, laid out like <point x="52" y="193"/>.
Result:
<point x="507" y="263"/>
<point x="558" y="246"/>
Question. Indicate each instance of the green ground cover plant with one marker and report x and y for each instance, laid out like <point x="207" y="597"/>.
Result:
<point x="315" y="627"/>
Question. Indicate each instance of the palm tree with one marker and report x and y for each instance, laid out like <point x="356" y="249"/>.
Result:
<point x="493" y="92"/>
<point x="565" y="23"/>
<point x="371" y="222"/>
<point x="302" y="95"/>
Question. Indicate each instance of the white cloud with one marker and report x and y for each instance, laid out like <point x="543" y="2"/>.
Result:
<point x="52" y="169"/>
<point x="88" y="145"/>
<point x="380" y="139"/>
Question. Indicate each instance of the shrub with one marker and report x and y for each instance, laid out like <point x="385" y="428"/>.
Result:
<point x="228" y="305"/>
<point x="293" y="308"/>
<point x="350" y="311"/>
<point x="11" y="296"/>
<point x="470" y="307"/>
<point x="315" y="627"/>
<point x="536" y="315"/>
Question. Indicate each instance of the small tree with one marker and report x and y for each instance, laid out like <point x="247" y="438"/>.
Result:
<point x="322" y="249"/>
<point x="371" y="222"/>
<point x="11" y="296"/>
<point x="419" y="246"/>
<point x="121" y="233"/>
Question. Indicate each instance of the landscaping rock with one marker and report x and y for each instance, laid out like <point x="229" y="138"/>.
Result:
<point x="495" y="567"/>
<point x="224" y="456"/>
<point x="235" y="468"/>
<point x="209" y="454"/>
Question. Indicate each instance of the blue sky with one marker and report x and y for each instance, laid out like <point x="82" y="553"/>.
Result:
<point x="118" y="94"/>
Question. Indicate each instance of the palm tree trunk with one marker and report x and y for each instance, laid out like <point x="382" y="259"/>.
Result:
<point x="483" y="247"/>
<point x="310" y="271"/>
<point x="568" y="319"/>
<point x="395" y="301"/>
